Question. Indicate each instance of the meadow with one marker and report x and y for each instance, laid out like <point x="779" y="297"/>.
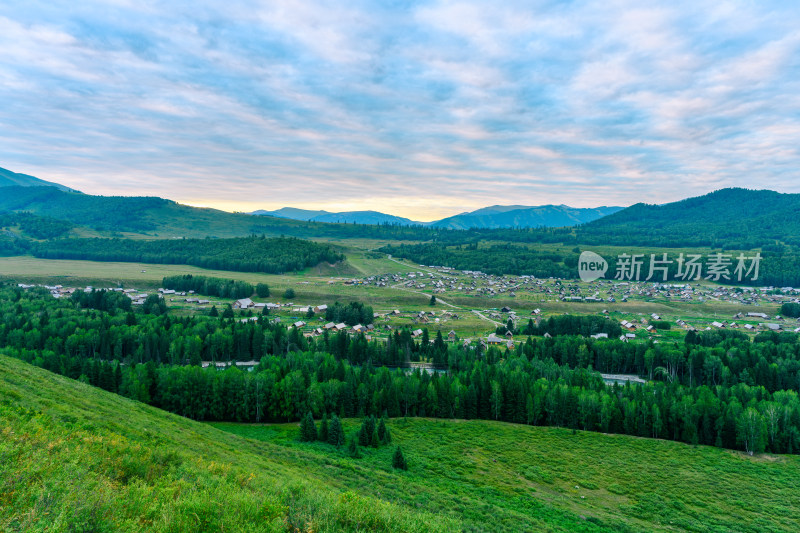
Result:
<point x="506" y="477"/>
<point x="75" y="458"/>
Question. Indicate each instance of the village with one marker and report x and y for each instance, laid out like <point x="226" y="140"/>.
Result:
<point x="459" y="305"/>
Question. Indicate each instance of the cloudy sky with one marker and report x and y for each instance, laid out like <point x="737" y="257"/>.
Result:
<point x="421" y="109"/>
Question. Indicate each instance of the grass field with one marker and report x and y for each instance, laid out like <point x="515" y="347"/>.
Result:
<point x="75" y="458"/>
<point x="520" y="478"/>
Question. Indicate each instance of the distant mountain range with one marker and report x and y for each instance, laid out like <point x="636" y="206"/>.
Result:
<point x="496" y="216"/>
<point x="519" y="216"/>
<point x="733" y="219"/>
<point x="349" y="217"/>
<point x="10" y="179"/>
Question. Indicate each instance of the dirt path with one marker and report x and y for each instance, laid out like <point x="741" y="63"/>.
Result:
<point x="418" y="267"/>
<point x="487" y="318"/>
<point x="401" y="286"/>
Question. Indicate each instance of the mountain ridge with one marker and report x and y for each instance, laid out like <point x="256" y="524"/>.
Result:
<point x="734" y="218"/>
<point x="490" y="217"/>
<point x="11" y="179"/>
<point x="552" y="216"/>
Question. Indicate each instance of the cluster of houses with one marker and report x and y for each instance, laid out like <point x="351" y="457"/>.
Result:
<point x="247" y="303"/>
<point x="778" y="323"/>
<point x="58" y="291"/>
<point x="249" y="366"/>
<point x="333" y="327"/>
<point x="188" y="296"/>
<point x="440" y="280"/>
<point x="494" y="340"/>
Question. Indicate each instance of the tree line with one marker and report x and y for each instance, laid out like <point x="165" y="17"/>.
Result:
<point x="246" y="254"/>
<point x="223" y="288"/>
<point x="717" y="388"/>
<point x="99" y="326"/>
<point x="515" y="389"/>
<point x="585" y="325"/>
<point x="495" y="259"/>
<point x="38" y="227"/>
<point x="351" y="314"/>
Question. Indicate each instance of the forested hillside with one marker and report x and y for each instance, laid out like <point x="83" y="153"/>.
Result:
<point x="769" y="226"/>
<point x="729" y="218"/>
<point x="34" y="226"/>
<point x="762" y="220"/>
<point x="248" y="254"/>
<point x="115" y="213"/>
<point x="492" y="259"/>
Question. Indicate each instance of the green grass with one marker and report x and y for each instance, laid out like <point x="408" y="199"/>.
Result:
<point x="503" y="477"/>
<point x="75" y="458"/>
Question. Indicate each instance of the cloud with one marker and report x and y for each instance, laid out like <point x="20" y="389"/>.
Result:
<point x="422" y="109"/>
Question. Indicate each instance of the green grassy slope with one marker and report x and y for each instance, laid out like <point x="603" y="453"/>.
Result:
<point x="505" y="477"/>
<point x="75" y="458"/>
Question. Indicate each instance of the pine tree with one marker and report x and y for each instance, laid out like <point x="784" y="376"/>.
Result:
<point x="433" y="300"/>
<point x="352" y="447"/>
<point x="323" y="428"/>
<point x="262" y="290"/>
<point x="374" y="441"/>
<point x="363" y="437"/>
<point x="117" y="378"/>
<point x="382" y="431"/>
<point x="398" y="460"/>
<point x="308" y="430"/>
<point x="335" y="432"/>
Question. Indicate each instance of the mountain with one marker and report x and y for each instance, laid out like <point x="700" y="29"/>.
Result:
<point x="364" y="217"/>
<point x="517" y="216"/>
<point x="348" y="217"/>
<point x="733" y="218"/>
<point x="496" y="216"/>
<point x="8" y="179"/>
<point x="121" y="216"/>
<point x="142" y="214"/>
<point x="291" y="212"/>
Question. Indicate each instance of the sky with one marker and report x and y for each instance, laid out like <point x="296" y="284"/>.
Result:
<point x="419" y="109"/>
